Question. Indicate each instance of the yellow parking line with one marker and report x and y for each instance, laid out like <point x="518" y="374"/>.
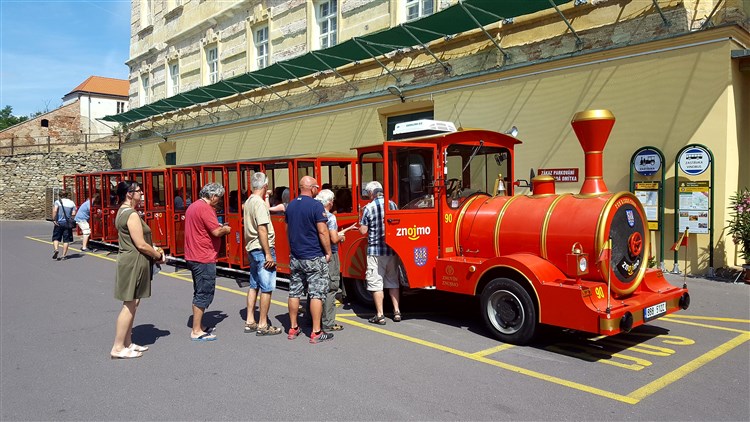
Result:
<point x="512" y="368"/>
<point x="706" y="318"/>
<point x="687" y="368"/>
<point x="697" y="324"/>
<point x="492" y="350"/>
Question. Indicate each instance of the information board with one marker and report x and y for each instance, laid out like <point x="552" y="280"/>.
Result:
<point x="694" y="206"/>
<point x="648" y="194"/>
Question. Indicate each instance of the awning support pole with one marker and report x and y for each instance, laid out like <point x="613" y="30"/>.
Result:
<point x="331" y="68"/>
<point x="220" y="104"/>
<point x="181" y="110"/>
<point x="359" y="43"/>
<point x="710" y="16"/>
<point x="281" y="65"/>
<point x="241" y="94"/>
<point x="506" y="56"/>
<point x="579" y="41"/>
<point x="427" y="49"/>
<point x="269" y="88"/>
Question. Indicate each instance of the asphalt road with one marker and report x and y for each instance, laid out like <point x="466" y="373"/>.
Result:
<point x="57" y="326"/>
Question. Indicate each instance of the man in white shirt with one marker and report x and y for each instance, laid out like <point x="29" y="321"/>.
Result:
<point x="63" y="212"/>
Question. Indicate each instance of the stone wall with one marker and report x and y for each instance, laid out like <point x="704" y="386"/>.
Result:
<point x="25" y="178"/>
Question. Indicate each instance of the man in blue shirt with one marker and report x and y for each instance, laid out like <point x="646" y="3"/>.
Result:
<point x="310" y="247"/>
<point x="381" y="260"/>
<point x="82" y="220"/>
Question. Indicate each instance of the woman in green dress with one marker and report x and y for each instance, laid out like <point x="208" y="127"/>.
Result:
<point x="134" y="260"/>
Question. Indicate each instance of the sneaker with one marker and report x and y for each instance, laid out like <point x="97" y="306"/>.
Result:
<point x="293" y="333"/>
<point x="320" y="336"/>
<point x="54" y="255"/>
<point x="85" y="249"/>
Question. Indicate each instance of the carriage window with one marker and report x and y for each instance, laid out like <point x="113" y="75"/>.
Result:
<point x="474" y="169"/>
<point x="337" y="176"/>
<point x="158" y="190"/>
<point x="412" y="177"/>
<point x="370" y="168"/>
<point x="278" y="183"/>
<point x="233" y="192"/>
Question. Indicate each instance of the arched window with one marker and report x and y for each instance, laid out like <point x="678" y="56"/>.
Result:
<point x="45" y="123"/>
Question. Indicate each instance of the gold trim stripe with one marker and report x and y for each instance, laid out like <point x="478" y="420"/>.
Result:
<point x="459" y="220"/>
<point x="545" y="225"/>
<point x="499" y="219"/>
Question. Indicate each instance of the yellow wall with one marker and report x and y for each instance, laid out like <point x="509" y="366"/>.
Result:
<point x="665" y="99"/>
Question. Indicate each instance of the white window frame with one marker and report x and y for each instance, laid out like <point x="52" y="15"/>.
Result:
<point x="260" y="40"/>
<point x="145" y="89"/>
<point x="173" y="84"/>
<point x="212" y="64"/>
<point x="421" y="7"/>
<point x="147" y="14"/>
<point x="326" y="18"/>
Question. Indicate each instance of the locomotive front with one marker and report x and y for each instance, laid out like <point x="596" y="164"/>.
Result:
<point x="580" y="258"/>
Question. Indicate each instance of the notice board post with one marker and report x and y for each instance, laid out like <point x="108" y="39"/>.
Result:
<point x="647" y="161"/>
<point x="694" y="200"/>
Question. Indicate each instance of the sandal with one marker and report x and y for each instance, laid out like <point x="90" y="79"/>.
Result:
<point x="397" y="317"/>
<point x="251" y="328"/>
<point x="268" y="330"/>
<point x="137" y="348"/>
<point x="125" y="353"/>
<point x="380" y="320"/>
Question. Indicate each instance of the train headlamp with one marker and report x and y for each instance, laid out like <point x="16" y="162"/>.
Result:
<point x="578" y="261"/>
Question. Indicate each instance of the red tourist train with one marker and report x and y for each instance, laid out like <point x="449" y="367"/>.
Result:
<point x="577" y="261"/>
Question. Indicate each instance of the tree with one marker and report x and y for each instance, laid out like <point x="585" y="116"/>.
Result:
<point x="7" y="119"/>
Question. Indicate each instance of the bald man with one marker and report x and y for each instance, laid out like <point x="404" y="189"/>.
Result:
<point x="310" y="247"/>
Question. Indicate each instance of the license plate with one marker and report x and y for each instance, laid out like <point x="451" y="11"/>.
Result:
<point x="655" y="311"/>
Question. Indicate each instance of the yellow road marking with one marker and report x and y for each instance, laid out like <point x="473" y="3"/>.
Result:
<point x="512" y="368"/>
<point x="687" y="368"/>
<point x="697" y="324"/>
<point x="480" y="356"/>
<point x="492" y="350"/>
<point x="706" y="318"/>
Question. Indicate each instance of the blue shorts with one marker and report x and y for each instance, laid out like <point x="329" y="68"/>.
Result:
<point x="310" y="275"/>
<point x="63" y="234"/>
<point x="260" y="277"/>
<point x="204" y="283"/>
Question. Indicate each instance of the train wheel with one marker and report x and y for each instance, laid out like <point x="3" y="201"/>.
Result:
<point x="357" y="289"/>
<point x="508" y="311"/>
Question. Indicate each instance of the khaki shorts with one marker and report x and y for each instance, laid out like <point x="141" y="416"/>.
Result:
<point x="382" y="273"/>
<point x="84" y="226"/>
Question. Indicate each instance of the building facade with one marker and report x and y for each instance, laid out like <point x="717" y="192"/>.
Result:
<point x="74" y="126"/>
<point x="674" y="73"/>
<point x="98" y="97"/>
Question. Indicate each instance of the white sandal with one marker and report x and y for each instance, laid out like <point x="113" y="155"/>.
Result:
<point x="137" y="348"/>
<point x="125" y="353"/>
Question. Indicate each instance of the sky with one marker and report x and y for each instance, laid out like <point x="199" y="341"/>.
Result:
<point x="47" y="48"/>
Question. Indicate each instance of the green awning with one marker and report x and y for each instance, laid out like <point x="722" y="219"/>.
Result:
<point x="464" y="16"/>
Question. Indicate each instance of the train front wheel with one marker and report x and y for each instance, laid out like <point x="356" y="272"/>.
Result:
<point x="508" y="311"/>
<point x="357" y="289"/>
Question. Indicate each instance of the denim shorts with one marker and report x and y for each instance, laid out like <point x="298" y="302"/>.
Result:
<point x="260" y="277"/>
<point x="61" y="233"/>
<point x="310" y="274"/>
<point x="204" y="283"/>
